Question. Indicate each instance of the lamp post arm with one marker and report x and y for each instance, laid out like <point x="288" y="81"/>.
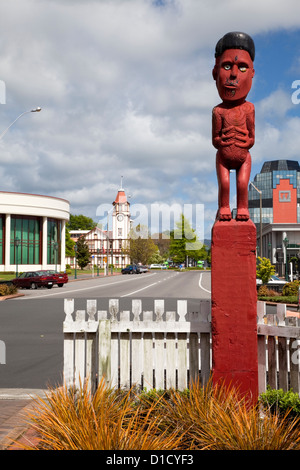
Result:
<point x="36" y="110"/>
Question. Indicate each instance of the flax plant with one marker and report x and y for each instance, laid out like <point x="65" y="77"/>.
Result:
<point x="106" y="420"/>
<point x="217" y="418"/>
<point x="202" y="418"/>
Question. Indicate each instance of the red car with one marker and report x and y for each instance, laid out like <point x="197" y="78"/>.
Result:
<point x="34" y="279"/>
<point x="59" y="278"/>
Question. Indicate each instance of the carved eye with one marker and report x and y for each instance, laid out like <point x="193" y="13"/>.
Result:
<point x="242" y="68"/>
<point x="227" y="66"/>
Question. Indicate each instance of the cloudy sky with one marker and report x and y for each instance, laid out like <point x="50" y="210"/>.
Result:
<point x="126" y="89"/>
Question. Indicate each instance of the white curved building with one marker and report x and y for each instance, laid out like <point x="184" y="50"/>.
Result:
<point x="32" y="231"/>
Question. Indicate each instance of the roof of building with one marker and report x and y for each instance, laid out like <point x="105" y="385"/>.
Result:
<point x="280" y="165"/>
<point x="121" y="197"/>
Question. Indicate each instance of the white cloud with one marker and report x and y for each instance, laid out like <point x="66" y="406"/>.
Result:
<point x="277" y="104"/>
<point x="126" y="89"/>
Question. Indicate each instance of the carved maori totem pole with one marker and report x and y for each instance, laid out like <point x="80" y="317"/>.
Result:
<point x="234" y="317"/>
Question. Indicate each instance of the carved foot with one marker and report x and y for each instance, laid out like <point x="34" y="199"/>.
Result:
<point x="224" y="213"/>
<point x="242" y="214"/>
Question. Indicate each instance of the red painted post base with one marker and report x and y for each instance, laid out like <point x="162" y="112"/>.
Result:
<point x="234" y="306"/>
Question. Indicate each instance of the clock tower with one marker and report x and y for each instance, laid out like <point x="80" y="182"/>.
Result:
<point x="120" y="228"/>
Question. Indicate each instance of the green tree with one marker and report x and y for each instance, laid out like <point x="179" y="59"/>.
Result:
<point x="83" y="254"/>
<point x="156" y="258"/>
<point x="140" y="247"/>
<point x="69" y="245"/>
<point x="184" y="243"/>
<point x="162" y="241"/>
<point x="264" y="270"/>
<point x="80" y="222"/>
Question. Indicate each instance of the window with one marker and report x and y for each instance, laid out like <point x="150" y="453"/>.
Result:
<point x="1" y="239"/>
<point x="54" y="241"/>
<point x="27" y="232"/>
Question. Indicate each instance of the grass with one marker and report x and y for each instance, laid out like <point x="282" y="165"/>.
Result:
<point x="202" y="418"/>
<point x="7" y="276"/>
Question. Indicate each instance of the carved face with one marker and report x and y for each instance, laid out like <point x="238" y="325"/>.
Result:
<point x="233" y="73"/>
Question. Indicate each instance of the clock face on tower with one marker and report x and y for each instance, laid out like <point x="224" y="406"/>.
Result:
<point x="120" y="217"/>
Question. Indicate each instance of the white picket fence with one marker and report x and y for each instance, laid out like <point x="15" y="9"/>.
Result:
<point x="167" y="349"/>
<point x="278" y="349"/>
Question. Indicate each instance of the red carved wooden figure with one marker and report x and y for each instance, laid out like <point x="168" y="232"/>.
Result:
<point x="233" y="120"/>
<point x="233" y="270"/>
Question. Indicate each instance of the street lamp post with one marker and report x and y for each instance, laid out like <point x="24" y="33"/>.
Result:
<point x="75" y="249"/>
<point x="17" y="244"/>
<point x="17" y="240"/>
<point x="36" y="110"/>
<point x="98" y="254"/>
<point x="112" y="258"/>
<point x="55" y="255"/>
<point x="260" y="216"/>
<point x="107" y="247"/>
<point x="286" y="242"/>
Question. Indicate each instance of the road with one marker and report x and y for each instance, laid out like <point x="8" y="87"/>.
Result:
<point x="190" y="284"/>
<point x="32" y="326"/>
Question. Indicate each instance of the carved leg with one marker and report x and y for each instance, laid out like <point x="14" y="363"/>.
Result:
<point x="242" y="181"/>
<point x="224" y="212"/>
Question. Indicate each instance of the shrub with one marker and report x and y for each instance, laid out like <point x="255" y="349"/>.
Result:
<point x="281" y="402"/>
<point x="263" y="291"/>
<point x="264" y="269"/>
<point x="291" y="288"/>
<point x="68" y="269"/>
<point x="6" y="289"/>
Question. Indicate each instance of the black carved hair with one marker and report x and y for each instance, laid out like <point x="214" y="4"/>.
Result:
<point x="235" y="40"/>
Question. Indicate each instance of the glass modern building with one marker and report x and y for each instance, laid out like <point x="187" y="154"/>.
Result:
<point x="274" y="206"/>
<point x="32" y="231"/>
<point x="279" y="178"/>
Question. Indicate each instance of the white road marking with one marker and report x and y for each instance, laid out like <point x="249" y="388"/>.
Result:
<point x="150" y="285"/>
<point x="200" y="284"/>
<point x="99" y="286"/>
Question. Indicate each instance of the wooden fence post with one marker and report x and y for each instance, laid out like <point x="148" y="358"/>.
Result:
<point x="159" y="308"/>
<point x="294" y="354"/>
<point x="282" y="350"/>
<point x="170" y="352"/>
<point x="205" y="316"/>
<point x="125" y="351"/>
<point x="261" y="349"/>
<point x="104" y="350"/>
<point x="68" y="343"/>
<point x="136" y="344"/>
<point x="147" y="354"/>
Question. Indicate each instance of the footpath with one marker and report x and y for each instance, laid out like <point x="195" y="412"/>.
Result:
<point x="15" y="428"/>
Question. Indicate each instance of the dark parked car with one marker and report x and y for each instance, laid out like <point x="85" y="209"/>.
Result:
<point x="59" y="278"/>
<point x="131" y="269"/>
<point x="34" y="279"/>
